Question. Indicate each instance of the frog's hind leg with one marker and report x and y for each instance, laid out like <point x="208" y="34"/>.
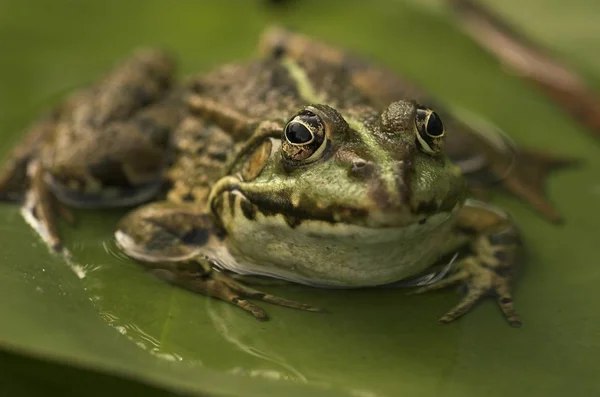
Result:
<point x="489" y="270"/>
<point x="40" y="208"/>
<point x="14" y="179"/>
<point x="22" y="179"/>
<point x="181" y="246"/>
<point x="104" y="146"/>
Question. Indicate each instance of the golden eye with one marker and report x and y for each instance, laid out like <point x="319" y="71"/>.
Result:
<point x="430" y="130"/>
<point x="303" y="138"/>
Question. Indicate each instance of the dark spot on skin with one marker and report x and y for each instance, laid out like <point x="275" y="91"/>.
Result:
<point x="231" y="199"/>
<point x="378" y="192"/>
<point x="422" y="221"/>
<point x="197" y="86"/>
<point x="189" y="197"/>
<point x="235" y="300"/>
<point x="141" y="95"/>
<point x="109" y="172"/>
<point x="500" y="255"/>
<point x="467" y="230"/>
<point x="505" y="300"/>
<point x="405" y="176"/>
<point x="503" y="271"/>
<point x="159" y="134"/>
<point x="219" y="156"/>
<point x="248" y="209"/>
<point x="293" y="221"/>
<point x="278" y="50"/>
<point x="196" y="237"/>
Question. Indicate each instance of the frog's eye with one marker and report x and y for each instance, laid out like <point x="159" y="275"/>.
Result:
<point x="430" y="130"/>
<point x="303" y="138"/>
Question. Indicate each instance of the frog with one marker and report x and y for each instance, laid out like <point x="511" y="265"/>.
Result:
<point x="277" y="168"/>
<point x="486" y="154"/>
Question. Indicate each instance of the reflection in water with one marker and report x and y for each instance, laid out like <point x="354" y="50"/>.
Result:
<point x="224" y="327"/>
<point x="80" y="270"/>
<point x="111" y="249"/>
<point x="142" y="339"/>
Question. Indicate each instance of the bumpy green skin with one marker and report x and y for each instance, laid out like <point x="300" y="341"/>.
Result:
<point x="366" y="206"/>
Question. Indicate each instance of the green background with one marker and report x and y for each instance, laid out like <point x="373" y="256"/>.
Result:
<point x="117" y="330"/>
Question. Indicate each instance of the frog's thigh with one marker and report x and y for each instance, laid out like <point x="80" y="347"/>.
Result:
<point x="489" y="269"/>
<point x="172" y="242"/>
<point x="118" y="164"/>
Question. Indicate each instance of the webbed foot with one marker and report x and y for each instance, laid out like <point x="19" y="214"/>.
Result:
<point x="489" y="270"/>
<point x="481" y="280"/>
<point x="219" y="285"/>
<point x="176" y="243"/>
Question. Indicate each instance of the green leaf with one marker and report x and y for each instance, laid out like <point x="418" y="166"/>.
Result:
<point x="102" y="325"/>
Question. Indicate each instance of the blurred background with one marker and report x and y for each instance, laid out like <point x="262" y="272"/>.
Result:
<point x="116" y="330"/>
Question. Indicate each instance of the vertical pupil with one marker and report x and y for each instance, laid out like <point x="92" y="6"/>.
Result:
<point x="434" y="125"/>
<point x="297" y="133"/>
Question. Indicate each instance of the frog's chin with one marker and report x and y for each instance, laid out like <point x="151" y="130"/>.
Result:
<point x="325" y="254"/>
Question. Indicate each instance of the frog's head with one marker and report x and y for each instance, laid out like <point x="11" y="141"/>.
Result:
<point x="358" y="166"/>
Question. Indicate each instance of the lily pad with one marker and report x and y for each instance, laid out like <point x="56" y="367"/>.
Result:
<point x="100" y="324"/>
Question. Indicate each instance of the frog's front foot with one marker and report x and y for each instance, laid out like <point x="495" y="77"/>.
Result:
<point x="487" y="272"/>
<point x="219" y="285"/>
<point x="480" y="281"/>
<point x="175" y="243"/>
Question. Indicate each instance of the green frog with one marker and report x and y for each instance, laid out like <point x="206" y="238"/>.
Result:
<point x="283" y="167"/>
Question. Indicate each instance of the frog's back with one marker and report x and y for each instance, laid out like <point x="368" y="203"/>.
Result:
<point x="260" y="90"/>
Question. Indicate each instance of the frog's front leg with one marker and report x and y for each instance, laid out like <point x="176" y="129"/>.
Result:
<point x="180" y="245"/>
<point x="489" y="269"/>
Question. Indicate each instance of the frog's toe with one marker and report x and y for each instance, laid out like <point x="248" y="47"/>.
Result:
<point x="256" y="294"/>
<point x="505" y="302"/>
<point x="467" y="302"/>
<point x="475" y="295"/>
<point x="203" y="280"/>
<point x="230" y="296"/>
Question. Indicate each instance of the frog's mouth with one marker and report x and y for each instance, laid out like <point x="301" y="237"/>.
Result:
<point x="250" y="204"/>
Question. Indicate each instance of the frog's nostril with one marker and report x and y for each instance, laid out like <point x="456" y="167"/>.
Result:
<point x="361" y="168"/>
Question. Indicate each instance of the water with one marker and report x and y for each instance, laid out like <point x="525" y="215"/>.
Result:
<point x="106" y="310"/>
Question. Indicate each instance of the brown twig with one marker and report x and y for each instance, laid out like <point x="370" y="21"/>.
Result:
<point x="559" y="82"/>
